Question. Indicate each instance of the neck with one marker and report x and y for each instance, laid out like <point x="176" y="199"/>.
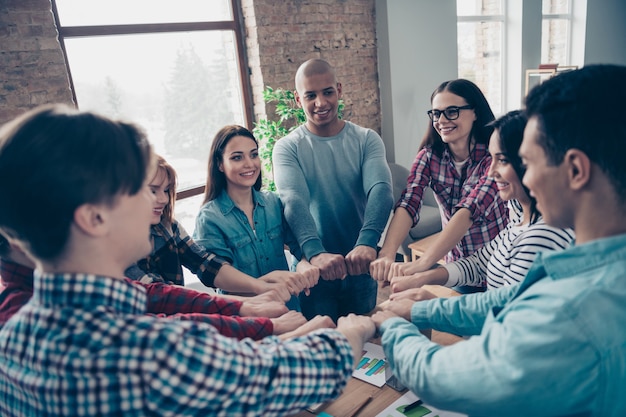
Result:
<point x="328" y="130"/>
<point x="242" y="197"/>
<point x="526" y="213"/>
<point x="459" y="150"/>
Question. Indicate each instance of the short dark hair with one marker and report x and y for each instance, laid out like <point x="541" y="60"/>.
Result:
<point x="54" y="159"/>
<point x="216" y="179"/>
<point x="481" y="132"/>
<point x="569" y="109"/>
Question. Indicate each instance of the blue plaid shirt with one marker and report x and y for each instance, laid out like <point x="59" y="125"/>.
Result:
<point x="82" y="346"/>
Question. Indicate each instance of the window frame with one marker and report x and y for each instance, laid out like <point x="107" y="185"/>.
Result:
<point x="235" y="25"/>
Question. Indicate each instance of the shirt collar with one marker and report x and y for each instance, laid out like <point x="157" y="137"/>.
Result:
<point x="226" y="204"/>
<point x="576" y="259"/>
<point x="476" y="155"/>
<point x="88" y="292"/>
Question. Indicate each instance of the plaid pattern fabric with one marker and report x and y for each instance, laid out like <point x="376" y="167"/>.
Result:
<point x="84" y="347"/>
<point x="472" y="189"/>
<point x="174" y="302"/>
<point x="171" y="250"/>
<point x="17" y="281"/>
<point x="162" y="300"/>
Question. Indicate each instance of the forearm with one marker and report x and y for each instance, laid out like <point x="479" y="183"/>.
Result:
<point x="255" y="328"/>
<point x="231" y="279"/>
<point x="399" y="227"/>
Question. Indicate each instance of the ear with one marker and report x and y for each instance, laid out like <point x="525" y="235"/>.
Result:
<point x="220" y="166"/>
<point x="339" y="90"/>
<point x="297" y="97"/>
<point x="578" y="168"/>
<point x="90" y="219"/>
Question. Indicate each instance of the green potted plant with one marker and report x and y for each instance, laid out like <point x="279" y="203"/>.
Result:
<point x="289" y="116"/>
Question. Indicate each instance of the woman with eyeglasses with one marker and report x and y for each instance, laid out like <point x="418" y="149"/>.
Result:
<point x="453" y="160"/>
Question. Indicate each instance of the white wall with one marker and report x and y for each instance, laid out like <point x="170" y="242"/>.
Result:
<point x="418" y="50"/>
<point x="417" y="44"/>
<point x="605" y="40"/>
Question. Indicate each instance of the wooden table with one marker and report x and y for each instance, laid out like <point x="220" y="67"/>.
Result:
<point x="419" y="246"/>
<point x="357" y="391"/>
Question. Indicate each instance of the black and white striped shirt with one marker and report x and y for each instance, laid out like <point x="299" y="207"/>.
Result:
<point x="506" y="259"/>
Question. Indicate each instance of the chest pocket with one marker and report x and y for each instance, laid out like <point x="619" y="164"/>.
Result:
<point x="243" y="250"/>
<point x="275" y="236"/>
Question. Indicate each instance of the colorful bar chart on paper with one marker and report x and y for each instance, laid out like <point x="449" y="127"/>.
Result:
<point x="371" y="367"/>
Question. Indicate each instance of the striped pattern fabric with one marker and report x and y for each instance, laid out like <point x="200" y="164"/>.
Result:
<point x="506" y="259"/>
<point x="84" y="347"/>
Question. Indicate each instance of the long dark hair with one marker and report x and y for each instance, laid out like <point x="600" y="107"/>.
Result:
<point x="480" y="132"/>
<point x="510" y="129"/>
<point x="216" y="179"/>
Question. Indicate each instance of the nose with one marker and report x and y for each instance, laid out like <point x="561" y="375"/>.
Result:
<point x="162" y="197"/>
<point x="492" y="169"/>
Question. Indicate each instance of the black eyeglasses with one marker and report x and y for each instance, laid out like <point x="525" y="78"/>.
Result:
<point x="451" y="113"/>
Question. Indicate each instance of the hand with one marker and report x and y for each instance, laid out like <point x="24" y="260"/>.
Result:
<point x="380" y="316"/>
<point x="317" y="322"/>
<point x="414" y="294"/>
<point x="292" y="281"/>
<point x="380" y="268"/>
<point x="274" y="281"/>
<point x="311" y="274"/>
<point x="358" y="260"/>
<point x="401" y="283"/>
<point x="401" y="308"/>
<point x="408" y="268"/>
<point x="332" y="266"/>
<point x="268" y="304"/>
<point x="360" y="326"/>
<point x="288" y="322"/>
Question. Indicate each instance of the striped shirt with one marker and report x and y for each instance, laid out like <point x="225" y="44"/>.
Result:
<point x="471" y="189"/>
<point x="83" y="346"/>
<point x="506" y="259"/>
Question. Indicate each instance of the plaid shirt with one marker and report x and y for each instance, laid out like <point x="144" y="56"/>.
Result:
<point x="17" y="281"/>
<point x="171" y="250"/>
<point x="472" y="189"/>
<point x="83" y="346"/>
<point x="162" y="300"/>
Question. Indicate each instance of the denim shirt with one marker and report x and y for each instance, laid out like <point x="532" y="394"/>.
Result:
<point x="222" y="228"/>
<point x="553" y="344"/>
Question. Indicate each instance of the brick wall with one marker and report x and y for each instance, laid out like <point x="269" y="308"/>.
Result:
<point x="31" y="61"/>
<point x="279" y="37"/>
<point x="282" y="35"/>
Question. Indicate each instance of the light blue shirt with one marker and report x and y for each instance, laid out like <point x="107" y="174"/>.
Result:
<point x="553" y="345"/>
<point x="223" y="228"/>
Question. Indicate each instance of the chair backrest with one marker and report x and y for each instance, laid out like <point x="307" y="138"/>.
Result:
<point x="399" y="175"/>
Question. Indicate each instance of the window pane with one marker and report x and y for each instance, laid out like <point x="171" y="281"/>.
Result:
<point x="556" y="6"/>
<point x="554" y="41"/>
<point x="480" y="58"/>
<point x="478" y="7"/>
<point x="186" y="211"/>
<point x="180" y="87"/>
<point x="115" y="12"/>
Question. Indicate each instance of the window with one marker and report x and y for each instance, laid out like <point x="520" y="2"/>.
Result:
<point x="175" y="68"/>
<point x="556" y="32"/>
<point x="480" y="47"/>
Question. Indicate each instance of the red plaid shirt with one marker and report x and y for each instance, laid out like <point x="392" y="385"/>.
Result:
<point x="162" y="300"/>
<point x="472" y="189"/>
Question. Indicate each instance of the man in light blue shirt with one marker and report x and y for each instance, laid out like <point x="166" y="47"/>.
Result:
<point x="553" y="345"/>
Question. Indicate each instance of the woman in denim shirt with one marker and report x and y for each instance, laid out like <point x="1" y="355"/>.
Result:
<point x="237" y="221"/>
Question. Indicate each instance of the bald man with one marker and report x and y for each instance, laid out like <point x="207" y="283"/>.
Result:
<point x="333" y="178"/>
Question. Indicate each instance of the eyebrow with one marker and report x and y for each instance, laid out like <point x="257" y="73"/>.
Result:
<point x="323" y="90"/>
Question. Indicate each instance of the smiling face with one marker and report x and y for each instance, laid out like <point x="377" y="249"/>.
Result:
<point x="502" y="171"/>
<point x="453" y="132"/>
<point x="160" y="188"/>
<point x="318" y="95"/>
<point x="240" y="163"/>
<point x="547" y="182"/>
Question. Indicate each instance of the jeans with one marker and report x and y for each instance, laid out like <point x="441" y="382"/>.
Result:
<point x="354" y="294"/>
